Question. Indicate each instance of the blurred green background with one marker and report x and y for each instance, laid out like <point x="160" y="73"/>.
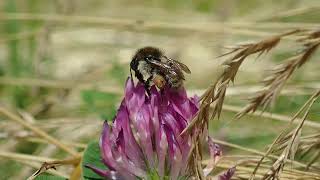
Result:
<point x="63" y="64"/>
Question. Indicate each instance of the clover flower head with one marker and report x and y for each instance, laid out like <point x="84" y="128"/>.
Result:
<point x="144" y="140"/>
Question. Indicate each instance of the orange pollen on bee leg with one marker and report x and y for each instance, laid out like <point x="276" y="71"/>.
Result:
<point x="159" y="81"/>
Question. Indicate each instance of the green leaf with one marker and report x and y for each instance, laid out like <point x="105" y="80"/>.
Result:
<point x="49" y="177"/>
<point x="92" y="157"/>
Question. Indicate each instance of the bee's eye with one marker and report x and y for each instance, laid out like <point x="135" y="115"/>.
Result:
<point x="148" y="58"/>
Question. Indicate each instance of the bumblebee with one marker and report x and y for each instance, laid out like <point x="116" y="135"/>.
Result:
<point x="151" y="66"/>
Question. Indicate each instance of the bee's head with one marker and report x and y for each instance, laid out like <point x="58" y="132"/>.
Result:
<point x="148" y="53"/>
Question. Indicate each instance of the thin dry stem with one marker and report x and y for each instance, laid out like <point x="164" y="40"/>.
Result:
<point x="291" y="141"/>
<point x="24" y="157"/>
<point x="214" y="96"/>
<point x="129" y="23"/>
<point x="47" y="165"/>
<point x="76" y="173"/>
<point x="38" y="131"/>
<point x="270" y="115"/>
<point x="245" y="168"/>
<point x="37" y="165"/>
<point x="39" y="140"/>
<point x="57" y="84"/>
<point x="254" y="151"/>
<point x="310" y="145"/>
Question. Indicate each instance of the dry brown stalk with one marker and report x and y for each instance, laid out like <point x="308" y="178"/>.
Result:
<point x="30" y="160"/>
<point x="310" y="145"/>
<point x="244" y="171"/>
<point x="288" y="141"/>
<point x="37" y="165"/>
<point x="25" y="157"/>
<point x="47" y="165"/>
<point x="39" y="140"/>
<point x="254" y="151"/>
<point x="275" y="82"/>
<point x="245" y="165"/>
<point x="129" y="23"/>
<point x="38" y="131"/>
<point x="214" y="96"/>
<point x="56" y="84"/>
<point x="76" y="173"/>
<point x="270" y="115"/>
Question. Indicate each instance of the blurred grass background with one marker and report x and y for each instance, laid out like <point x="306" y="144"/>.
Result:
<point x="63" y="64"/>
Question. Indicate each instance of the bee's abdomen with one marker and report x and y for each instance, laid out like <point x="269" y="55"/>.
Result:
<point x="174" y="82"/>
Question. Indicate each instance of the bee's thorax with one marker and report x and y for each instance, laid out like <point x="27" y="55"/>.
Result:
<point x="145" y="69"/>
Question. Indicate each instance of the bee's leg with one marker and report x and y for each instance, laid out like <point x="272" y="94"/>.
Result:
<point x="148" y="90"/>
<point x="162" y="91"/>
<point x="147" y="85"/>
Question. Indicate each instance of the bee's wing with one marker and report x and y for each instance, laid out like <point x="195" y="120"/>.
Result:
<point x="160" y="64"/>
<point x="179" y="65"/>
<point x="167" y="69"/>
